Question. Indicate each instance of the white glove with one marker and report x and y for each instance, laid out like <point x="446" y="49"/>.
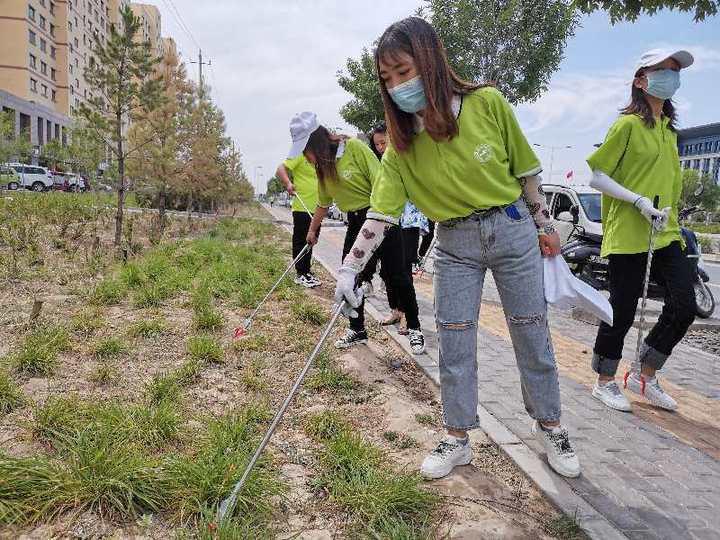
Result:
<point x="345" y="292"/>
<point x="657" y="218"/>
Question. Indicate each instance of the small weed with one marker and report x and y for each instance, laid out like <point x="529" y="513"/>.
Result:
<point x="162" y="388"/>
<point x="425" y="419"/>
<point x="391" y="436"/>
<point x="37" y="354"/>
<point x="147" y="328"/>
<point x="565" y="528"/>
<point x="309" y="313"/>
<point x="326" y="425"/>
<point x="330" y="378"/>
<point x="87" y="321"/>
<point x="57" y="417"/>
<point x="150" y="295"/>
<point x="105" y="373"/>
<point x="188" y="372"/>
<point x="108" y="292"/>
<point x="11" y="397"/>
<point x="109" y="347"/>
<point x="208" y="318"/>
<point x="205" y="349"/>
<point x="400" y="440"/>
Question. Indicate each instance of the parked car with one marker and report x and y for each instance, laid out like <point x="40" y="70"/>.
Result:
<point x="9" y="179"/>
<point x="561" y="201"/>
<point x="33" y="177"/>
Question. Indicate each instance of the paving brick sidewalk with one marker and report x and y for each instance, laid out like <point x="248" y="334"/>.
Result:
<point x="651" y="474"/>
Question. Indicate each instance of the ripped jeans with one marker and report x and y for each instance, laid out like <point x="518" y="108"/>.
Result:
<point x="505" y="242"/>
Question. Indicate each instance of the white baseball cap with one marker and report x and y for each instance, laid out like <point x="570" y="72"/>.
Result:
<point x="655" y="56"/>
<point x="302" y="126"/>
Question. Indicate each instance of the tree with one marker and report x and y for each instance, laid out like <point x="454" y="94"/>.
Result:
<point x="629" y="11"/>
<point x="515" y="44"/>
<point x="86" y="150"/>
<point x="274" y="186"/>
<point x="123" y="89"/>
<point x="708" y="200"/>
<point x="12" y="147"/>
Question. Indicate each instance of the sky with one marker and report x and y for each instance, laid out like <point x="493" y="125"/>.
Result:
<point x="272" y="59"/>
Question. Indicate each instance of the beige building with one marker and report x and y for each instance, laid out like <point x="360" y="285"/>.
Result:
<point x="45" y="46"/>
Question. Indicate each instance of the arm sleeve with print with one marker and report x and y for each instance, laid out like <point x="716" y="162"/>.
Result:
<point x="523" y="161"/>
<point x="389" y="196"/>
<point x="607" y="158"/>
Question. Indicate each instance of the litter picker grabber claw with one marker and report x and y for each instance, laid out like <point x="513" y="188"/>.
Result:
<point x="648" y="268"/>
<point x="228" y="504"/>
<point x="247" y="323"/>
<point x="421" y="267"/>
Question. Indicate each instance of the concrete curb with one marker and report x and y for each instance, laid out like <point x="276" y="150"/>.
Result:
<point x="554" y="487"/>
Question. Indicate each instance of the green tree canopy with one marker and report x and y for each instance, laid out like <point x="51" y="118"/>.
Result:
<point x="629" y="11"/>
<point x="12" y="147"/>
<point x="709" y="199"/>
<point x="274" y="186"/>
<point x="515" y="44"/>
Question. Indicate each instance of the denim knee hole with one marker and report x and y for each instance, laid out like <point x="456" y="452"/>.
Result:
<point x="528" y="320"/>
<point x="457" y="325"/>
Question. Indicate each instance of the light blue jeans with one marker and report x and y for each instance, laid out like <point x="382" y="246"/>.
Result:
<point x="505" y="242"/>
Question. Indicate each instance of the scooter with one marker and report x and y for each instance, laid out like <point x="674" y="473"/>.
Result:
<point x="582" y="254"/>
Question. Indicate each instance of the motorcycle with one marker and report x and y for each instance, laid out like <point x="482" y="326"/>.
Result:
<point x="582" y="254"/>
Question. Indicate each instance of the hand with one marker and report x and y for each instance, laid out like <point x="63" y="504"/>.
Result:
<point x="291" y="190"/>
<point x="549" y="244"/>
<point x="345" y="292"/>
<point x="657" y="218"/>
<point x="311" y="238"/>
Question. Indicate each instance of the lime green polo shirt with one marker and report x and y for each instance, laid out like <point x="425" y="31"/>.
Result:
<point x="357" y="168"/>
<point x="645" y="161"/>
<point x="475" y="170"/>
<point x="305" y="181"/>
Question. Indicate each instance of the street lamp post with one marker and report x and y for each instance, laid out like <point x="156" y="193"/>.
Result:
<point x="255" y="174"/>
<point x="552" y="155"/>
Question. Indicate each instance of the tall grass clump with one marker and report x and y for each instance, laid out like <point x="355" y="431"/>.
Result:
<point x="147" y="328"/>
<point x="329" y="377"/>
<point x="87" y="321"/>
<point x="309" y="312"/>
<point x="109" y="347"/>
<point x="36" y="356"/>
<point x="11" y="397"/>
<point x="205" y="349"/>
<point x="108" y="292"/>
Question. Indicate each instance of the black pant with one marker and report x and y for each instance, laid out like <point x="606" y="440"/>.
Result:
<point x="301" y="225"/>
<point x="355" y="221"/>
<point x="411" y="240"/>
<point x="427" y="239"/>
<point x="671" y="269"/>
<point x="396" y="272"/>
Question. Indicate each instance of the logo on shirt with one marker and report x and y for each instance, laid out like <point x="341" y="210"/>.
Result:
<point x="483" y="153"/>
<point x="346" y="174"/>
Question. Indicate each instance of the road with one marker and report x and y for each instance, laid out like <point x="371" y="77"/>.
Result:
<point x="713" y="270"/>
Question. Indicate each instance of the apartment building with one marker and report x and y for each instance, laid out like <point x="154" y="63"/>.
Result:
<point x="150" y="26"/>
<point x="699" y="149"/>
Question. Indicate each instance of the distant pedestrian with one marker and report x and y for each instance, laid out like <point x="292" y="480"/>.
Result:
<point x="303" y="187"/>
<point x="637" y="162"/>
<point x="457" y="152"/>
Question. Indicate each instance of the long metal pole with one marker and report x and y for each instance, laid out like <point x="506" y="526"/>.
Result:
<point x="304" y="205"/>
<point x="228" y="504"/>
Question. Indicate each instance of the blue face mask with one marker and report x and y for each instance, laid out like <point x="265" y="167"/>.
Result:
<point x="409" y="96"/>
<point x="663" y="83"/>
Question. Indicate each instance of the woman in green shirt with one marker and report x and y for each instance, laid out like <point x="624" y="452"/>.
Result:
<point x="637" y="162"/>
<point x="458" y="154"/>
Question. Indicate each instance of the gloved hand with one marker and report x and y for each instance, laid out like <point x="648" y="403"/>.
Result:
<point x="657" y="218"/>
<point x="345" y="292"/>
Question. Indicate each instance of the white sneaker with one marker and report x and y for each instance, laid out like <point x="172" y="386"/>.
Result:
<point x="611" y="395"/>
<point x="417" y="341"/>
<point x="312" y="279"/>
<point x="303" y="280"/>
<point x="560" y="452"/>
<point x="450" y="453"/>
<point x="351" y="338"/>
<point x="650" y="389"/>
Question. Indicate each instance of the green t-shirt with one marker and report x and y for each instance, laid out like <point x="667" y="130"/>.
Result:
<point x="645" y="161"/>
<point x="357" y="169"/>
<point x="305" y="181"/>
<point x="477" y="169"/>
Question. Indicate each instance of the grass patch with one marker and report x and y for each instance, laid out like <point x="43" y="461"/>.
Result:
<point x="425" y="419"/>
<point x="87" y="321"/>
<point x="400" y="440"/>
<point x="205" y="349"/>
<point x="163" y="388"/>
<point x="208" y="318"/>
<point x="109" y="347"/>
<point x="108" y="292"/>
<point x="309" y="312"/>
<point x="329" y="377"/>
<point x="37" y="355"/>
<point x="565" y="528"/>
<point x="383" y="502"/>
<point x="11" y="397"/>
<point x="252" y="343"/>
<point x="147" y="328"/>
<point x="104" y="374"/>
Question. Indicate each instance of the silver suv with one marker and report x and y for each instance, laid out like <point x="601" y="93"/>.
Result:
<point x="561" y="200"/>
<point x="32" y="177"/>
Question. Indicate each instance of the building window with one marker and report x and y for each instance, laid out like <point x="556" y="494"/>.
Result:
<point x="43" y="68"/>
<point x="71" y="68"/>
<point x="53" y="73"/>
<point x="70" y="25"/>
<point x="52" y="29"/>
<point x="42" y="22"/>
<point x="52" y="8"/>
<point x="43" y="45"/>
<point x="77" y="43"/>
<point x="44" y="90"/>
<point x="72" y="91"/>
<point x="70" y="47"/>
<point x="31" y="13"/>
<point x="31" y="37"/>
<point x="33" y="85"/>
<point x="33" y="61"/>
<point x="53" y="52"/>
<point x="77" y="83"/>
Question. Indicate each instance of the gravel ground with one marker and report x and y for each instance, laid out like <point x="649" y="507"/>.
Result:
<point x="706" y="340"/>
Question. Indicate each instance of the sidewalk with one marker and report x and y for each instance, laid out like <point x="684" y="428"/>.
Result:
<point x="649" y="474"/>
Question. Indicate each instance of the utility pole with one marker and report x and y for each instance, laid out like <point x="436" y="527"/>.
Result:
<point x="552" y="155"/>
<point x="200" y="64"/>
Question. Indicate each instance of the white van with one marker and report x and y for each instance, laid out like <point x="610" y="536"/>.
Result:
<point x="561" y="200"/>
<point x="33" y="177"/>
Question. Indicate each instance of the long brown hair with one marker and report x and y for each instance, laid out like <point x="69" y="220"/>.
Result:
<point x="324" y="145"/>
<point x="417" y="38"/>
<point x="639" y="105"/>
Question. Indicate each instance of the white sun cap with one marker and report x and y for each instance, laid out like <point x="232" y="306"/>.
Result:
<point x="655" y="56"/>
<point x="302" y="126"/>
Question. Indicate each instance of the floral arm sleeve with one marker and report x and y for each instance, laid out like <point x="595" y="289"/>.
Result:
<point x="368" y="241"/>
<point x="534" y="196"/>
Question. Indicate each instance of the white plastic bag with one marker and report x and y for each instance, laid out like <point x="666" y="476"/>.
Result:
<point x="564" y="290"/>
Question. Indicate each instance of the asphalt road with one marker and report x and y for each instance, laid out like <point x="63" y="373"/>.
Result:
<point x="713" y="270"/>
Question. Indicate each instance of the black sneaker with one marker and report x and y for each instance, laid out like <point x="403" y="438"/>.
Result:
<point x="314" y="281"/>
<point x="351" y="338"/>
